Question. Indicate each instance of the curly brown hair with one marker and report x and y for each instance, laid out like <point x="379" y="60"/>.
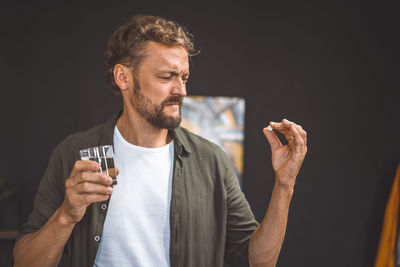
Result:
<point x="126" y="45"/>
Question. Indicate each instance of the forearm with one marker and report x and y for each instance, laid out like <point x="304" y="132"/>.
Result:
<point x="44" y="247"/>
<point x="267" y="239"/>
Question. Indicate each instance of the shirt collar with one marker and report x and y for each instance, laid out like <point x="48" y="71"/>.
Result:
<point x="180" y="141"/>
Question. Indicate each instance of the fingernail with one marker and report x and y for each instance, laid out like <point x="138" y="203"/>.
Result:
<point x="269" y="128"/>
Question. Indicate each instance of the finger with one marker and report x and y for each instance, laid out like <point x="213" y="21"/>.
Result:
<point x="280" y="127"/>
<point x="92" y="198"/>
<point x="93" y="188"/>
<point x="84" y="165"/>
<point x="287" y="123"/>
<point x="299" y="128"/>
<point x="90" y="177"/>
<point x="112" y="172"/>
<point x="273" y="140"/>
<point x="299" y="146"/>
<point x="95" y="177"/>
<point x="283" y="129"/>
<point x="290" y="139"/>
<point x="303" y="133"/>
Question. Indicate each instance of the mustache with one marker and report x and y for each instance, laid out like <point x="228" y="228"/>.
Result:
<point x="172" y="99"/>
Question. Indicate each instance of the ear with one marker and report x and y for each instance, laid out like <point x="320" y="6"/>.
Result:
<point x="122" y="77"/>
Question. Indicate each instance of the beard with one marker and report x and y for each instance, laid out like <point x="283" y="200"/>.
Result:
<point x="153" y="113"/>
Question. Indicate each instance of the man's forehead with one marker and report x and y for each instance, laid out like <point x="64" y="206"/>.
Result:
<point x="169" y="58"/>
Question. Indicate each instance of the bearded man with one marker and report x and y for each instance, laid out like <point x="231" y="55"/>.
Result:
<point x="178" y="201"/>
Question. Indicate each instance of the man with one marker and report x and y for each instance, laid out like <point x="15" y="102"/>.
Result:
<point x="177" y="201"/>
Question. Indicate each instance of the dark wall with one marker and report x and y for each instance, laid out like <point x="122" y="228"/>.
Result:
<point x="331" y="67"/>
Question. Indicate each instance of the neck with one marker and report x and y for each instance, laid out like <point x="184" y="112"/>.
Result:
<point x="138" y="131"/>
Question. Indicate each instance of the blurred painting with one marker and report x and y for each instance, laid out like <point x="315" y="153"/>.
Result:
<point x="220" y="120"/>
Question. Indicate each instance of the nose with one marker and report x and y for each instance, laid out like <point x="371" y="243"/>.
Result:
<point x="180" y="87"/>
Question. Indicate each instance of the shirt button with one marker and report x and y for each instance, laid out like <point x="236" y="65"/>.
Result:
<point x="97" y="238"/>
<point x="103" y="206"/>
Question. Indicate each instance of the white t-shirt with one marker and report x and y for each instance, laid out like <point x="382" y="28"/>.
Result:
<point x="136" y="229"/>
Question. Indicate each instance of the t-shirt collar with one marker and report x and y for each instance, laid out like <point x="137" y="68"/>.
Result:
<point x="180" y="142"/>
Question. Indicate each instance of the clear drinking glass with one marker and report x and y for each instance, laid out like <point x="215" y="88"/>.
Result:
<point x="104" y="155"/>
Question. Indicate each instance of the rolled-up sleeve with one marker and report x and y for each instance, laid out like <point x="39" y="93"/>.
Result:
<point x="240" y="223"/>
<point x="49" y="197"/>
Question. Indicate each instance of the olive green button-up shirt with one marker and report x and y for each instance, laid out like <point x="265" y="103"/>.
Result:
<point x="210" y="219"/>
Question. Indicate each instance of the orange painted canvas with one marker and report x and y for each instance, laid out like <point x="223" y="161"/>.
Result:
<point x="387" y="245"/>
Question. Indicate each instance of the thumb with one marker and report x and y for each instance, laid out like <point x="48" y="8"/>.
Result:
<point x="272" y="138"/>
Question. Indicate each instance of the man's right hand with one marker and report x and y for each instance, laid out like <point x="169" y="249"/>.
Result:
<point x="84" y="186"/>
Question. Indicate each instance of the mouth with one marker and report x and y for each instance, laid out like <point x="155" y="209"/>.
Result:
<point x="174" y="104"/>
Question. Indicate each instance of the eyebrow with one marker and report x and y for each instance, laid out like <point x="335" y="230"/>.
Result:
<point x="172" y="72"/>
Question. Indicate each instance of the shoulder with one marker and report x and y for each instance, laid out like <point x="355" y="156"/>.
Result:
<point x="71" y="145"/>
<point x="202" y="148"/>
<point x="85" y="137"/>
<point x="194" y="142"/>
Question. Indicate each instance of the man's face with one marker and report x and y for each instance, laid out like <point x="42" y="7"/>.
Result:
<point x="160" y="85"/>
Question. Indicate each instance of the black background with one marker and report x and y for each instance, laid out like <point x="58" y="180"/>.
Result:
<point x="329" y="66"/>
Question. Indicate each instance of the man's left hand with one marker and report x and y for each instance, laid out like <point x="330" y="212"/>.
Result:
<point x="287" y="159"/>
